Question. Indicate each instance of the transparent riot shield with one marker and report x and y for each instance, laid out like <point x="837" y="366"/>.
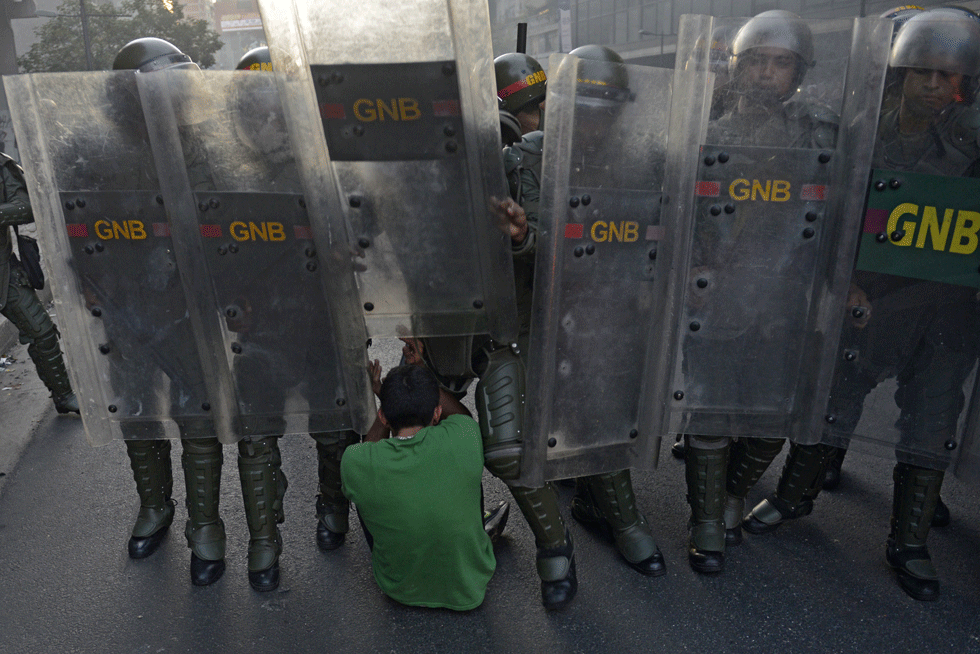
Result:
<point x="905" y="381"/>
<point x="394" y="122"/>
<point x="594" y="291"/>
<point x="123" y="310"/>
<point x="762" y="229"/>
<point x="235" y="196"/>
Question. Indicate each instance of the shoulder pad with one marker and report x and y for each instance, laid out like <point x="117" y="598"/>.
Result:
<point x="11" y="164"/>
<point x="964" y="127"/>
<point x="513" y="156"/>
<point x="533" y="142"/>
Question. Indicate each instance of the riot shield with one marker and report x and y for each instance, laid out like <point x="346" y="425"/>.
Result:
<point x="235" y="197"/>
<point x="394" y="123"/>
<point x="905" y="382"/>
<point x="594" y="291"/>
<point x="122" y="305"/>
<point x="763" y="227"/>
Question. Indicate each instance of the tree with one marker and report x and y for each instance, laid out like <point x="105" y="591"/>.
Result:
<point x="60" y="47"/>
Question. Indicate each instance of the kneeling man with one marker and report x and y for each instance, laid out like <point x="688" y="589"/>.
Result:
<point x="418" y="495"/>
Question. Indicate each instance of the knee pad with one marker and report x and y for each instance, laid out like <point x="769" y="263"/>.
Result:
<point x="500" y="404"/>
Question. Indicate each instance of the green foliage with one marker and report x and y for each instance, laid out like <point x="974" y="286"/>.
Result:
<point x="60" y="47"/>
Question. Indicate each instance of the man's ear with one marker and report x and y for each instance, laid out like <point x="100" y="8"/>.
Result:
<point x="436" y="415"/>
<point x="381" y="417"/>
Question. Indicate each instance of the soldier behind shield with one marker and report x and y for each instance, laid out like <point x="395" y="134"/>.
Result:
<point x="18" y="301"/>
<point x="770" y="56"/>
<point x="923" y="333"/>
<point x="501" y="369"/>
<point x="175" y="353"/>
<point x="267" y="158"/>
<point x="604" y="503"/>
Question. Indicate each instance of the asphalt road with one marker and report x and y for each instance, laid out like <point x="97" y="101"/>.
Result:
<point x="818" y="585"/>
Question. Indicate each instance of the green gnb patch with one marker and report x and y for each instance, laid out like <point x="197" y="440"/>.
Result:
<point x="922" y="226"/>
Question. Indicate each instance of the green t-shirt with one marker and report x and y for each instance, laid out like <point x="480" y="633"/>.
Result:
<point x="420" y="499"/>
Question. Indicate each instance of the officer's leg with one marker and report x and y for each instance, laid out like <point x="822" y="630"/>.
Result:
<point x="916" y="494"/>
<point x="263" y="488"/>
<point x="332" y="508"/>
<point x="150" y="460"/>
<point x="205" y="531"/>
<point x="747" y="462"/>
<point x="607" y="501"/>
<point x="499" y="401"/>
<point x="831" y="477"/>
<point x="24" y="310"/>
<point x="800" y="482"/>
<point x="705" y="470"/>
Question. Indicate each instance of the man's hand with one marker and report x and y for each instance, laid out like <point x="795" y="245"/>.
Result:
<point x="512" y="215"/>
<point x="374" y="368"/>
<point x="413" y="351"/>
<point x="858" y="307"/>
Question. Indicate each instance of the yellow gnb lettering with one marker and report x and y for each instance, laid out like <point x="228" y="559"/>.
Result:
<point x="408" y="109"/>
<point x="599" y="233"/>
<point x="385" y="109"/>
<point x="904" y="209"/>
<point x="364" y="110"/>
<point x="929" y="227"/>
<point x="241" y="231"/>
<point x="965" y="233"/>
<point x="757" y="187"/>
<point x="127" y="229"/>
<point x="276" y="232"/>
<point x="137" y="231"/>
<point x="780" y="190"/>
<point x="396" y="109"/>
<point x="103" y="229"/>
<point x="238" y="231"/>
<point x="740" y="193"/>
<point x="631" y="231"/>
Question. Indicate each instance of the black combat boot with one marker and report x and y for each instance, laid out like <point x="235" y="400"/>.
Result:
<point x="748" y="461"/>
<point x="606" y="504"/>
<point x="205" y="531"/>
<point x="150" y="460"/>
<point x="916" y="495"/>
<point x="332" y="508"/>
<point x="555" y="557"/>
<point x="705" y="474"/>
<point x="263" y="488"/>
<point x="800" y="482"/>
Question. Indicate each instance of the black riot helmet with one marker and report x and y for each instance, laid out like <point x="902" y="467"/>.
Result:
<point x="255" y="59"/>
<point x="774" y="29"/>
<point x="521" y="81"/>
<point x="149" y="54"/>
<point x="945" y="39"/>
<point x="257" y="111"/>
<point x="602" y="74"/>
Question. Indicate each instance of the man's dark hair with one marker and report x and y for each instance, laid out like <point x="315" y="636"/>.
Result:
<point x="409" y="396"/>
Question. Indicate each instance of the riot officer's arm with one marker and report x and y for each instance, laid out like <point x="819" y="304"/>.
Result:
<point x="531" y="194"/>
<point x="16" y="207"/>
<point x="512" y="215"/>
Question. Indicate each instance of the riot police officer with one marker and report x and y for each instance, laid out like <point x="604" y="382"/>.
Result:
<point x="19" y="302"/>
<point x="259" y="461"/>
<point x="769" y="58"/>
<point x="922" y="332"/>
<point x="149" y="454"/>
<point x="606" y="502"/>
<point x="500" y="368"/>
